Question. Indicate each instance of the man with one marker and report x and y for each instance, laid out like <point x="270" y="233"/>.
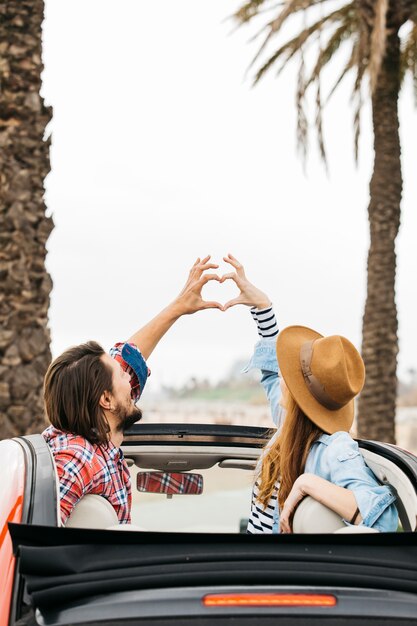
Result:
<point x="90" y="401"/>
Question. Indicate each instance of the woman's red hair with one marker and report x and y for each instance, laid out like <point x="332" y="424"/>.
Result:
<point x="285" y="459"/>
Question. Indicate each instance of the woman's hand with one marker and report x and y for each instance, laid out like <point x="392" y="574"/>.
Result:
<point x="190" y="300"/>
<point x="249" y="294"/>
<point x="295" y="496"/>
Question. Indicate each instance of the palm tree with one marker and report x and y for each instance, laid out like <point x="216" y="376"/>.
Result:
<point x="24" y="228"/>
<point x="379" y="55"/>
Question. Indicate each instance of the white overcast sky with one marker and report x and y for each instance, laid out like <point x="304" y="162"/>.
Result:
<point x="162" y="152"/>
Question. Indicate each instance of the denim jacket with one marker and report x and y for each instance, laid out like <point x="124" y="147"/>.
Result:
<point x="336" y="457"/>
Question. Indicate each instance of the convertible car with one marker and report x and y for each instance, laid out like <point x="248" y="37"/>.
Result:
<point x="186" y="557"/>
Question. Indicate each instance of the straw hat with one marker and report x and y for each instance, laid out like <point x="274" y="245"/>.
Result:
<point x="323" y="374"/>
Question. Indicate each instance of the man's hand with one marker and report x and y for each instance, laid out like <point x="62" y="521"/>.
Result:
<point x="249" y="294"/>
<point x="190" y="299"/>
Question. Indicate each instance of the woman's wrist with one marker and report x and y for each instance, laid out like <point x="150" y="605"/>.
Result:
<point x="306" y="484"/>
<point x="266" y="321"/>
<point x="261" y="304"/>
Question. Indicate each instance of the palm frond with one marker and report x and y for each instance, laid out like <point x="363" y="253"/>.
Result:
<point x="326" y="53"/>
<point x="378" y="41"/>
<point x="248" y="10"/>
<point x="349" y="65"/>
<point x="408" y="60"/>
<point x="287" y="11"/>
<point x="361" y="61"/>
<point x="291" y="47"/>
<point x="290" y="8"/>
<point x="319" y="108"/>
<point x="357" y="123"/>
<point x="302" y="122"/>
<point x="345" y="23"/>
<point x="319" y="125"/>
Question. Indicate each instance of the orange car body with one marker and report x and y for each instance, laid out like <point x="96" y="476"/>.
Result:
<point x="12" y="471"/>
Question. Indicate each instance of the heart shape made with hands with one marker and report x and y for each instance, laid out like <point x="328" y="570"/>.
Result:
<point x="248" y="294"/>
<point x="219" y="292"/>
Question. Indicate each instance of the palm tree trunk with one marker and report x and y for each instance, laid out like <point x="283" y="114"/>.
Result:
<point x="24" y="228"/>
<point x="377" y="402"/>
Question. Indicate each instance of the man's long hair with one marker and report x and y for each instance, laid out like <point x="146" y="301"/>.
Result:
<point x="73" y="386"/>
<point x="285" y="459"/>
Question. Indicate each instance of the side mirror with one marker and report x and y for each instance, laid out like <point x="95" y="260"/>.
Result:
<point x="170" y="483"/>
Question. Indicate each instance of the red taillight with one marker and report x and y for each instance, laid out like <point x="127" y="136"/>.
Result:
<point x="270" y="599"/>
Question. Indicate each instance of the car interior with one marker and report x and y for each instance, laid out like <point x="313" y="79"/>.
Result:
<point x="222" y="507"/>
<point x="193" y="484"/>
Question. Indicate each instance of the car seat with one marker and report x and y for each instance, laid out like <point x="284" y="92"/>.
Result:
<point x="313" y="517"/>
<point x="94" y="511"/>
<point x="388" y="473"/>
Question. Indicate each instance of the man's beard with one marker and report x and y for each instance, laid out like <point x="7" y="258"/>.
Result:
<point x="127" y="417"/>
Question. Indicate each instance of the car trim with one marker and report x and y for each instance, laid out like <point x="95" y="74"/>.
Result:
<point x="41" y="481"/>
<point x="403" y="459"/>
<point x="187" y="602"/>
<point x="204" y="434"/>
<point x="155" y="560"/>
<point x="39" y="474"/>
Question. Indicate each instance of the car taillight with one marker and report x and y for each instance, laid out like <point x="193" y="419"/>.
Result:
<point x="270" y="599"/>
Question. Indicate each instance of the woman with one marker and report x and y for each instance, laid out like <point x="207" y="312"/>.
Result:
<point x="312" y="452"/>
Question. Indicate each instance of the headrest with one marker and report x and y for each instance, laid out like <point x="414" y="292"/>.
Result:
<point x="313" y="517"/>
<point x="92" y="511"/>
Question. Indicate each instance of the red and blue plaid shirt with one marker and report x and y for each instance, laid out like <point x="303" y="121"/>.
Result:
<point x="85" y="468"/>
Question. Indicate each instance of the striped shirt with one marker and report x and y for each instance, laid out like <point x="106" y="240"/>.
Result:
<point x="262" y="519"/>
<point x="265" y="321"/>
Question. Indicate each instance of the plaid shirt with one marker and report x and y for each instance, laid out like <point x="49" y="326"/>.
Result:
<point x="85" y="468"/>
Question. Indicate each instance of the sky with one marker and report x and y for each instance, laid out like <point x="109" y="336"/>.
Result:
<point x="162" y="151"/>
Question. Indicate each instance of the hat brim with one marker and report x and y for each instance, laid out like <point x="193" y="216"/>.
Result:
<point x="289" y="343"/>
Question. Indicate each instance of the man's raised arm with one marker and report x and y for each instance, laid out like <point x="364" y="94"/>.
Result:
<point x="188" y="301"/>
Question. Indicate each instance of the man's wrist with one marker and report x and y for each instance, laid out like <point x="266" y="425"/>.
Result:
<point x="174" y="310"/>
